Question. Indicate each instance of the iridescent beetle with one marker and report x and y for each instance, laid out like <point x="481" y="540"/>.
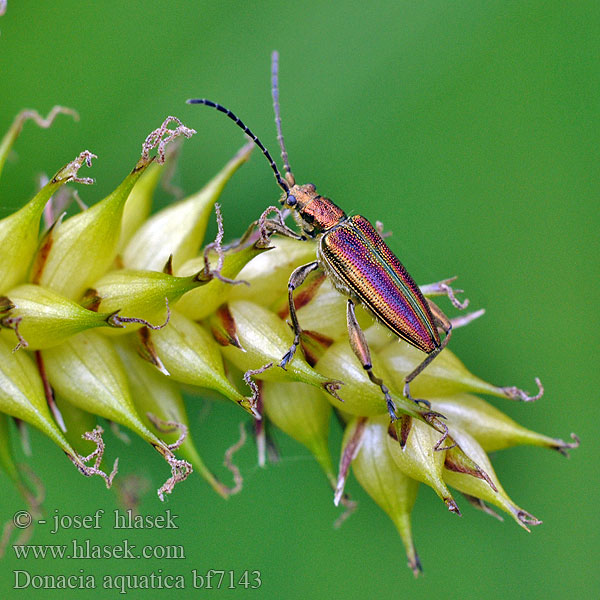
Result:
<point x="358" y="261"/>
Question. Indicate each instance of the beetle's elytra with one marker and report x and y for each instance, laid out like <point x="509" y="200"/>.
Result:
<point x="358" y="258"/>
<point x="358" y="261"/>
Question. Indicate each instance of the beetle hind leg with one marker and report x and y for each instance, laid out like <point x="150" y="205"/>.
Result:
<point x="443" y="322"/>
<point x="296" y="280"/>
<point x="359" y="346"/>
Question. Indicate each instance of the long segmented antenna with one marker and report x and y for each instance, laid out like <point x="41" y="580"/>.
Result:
<point x="289" y="176"/>
<point x="280" y="181"/>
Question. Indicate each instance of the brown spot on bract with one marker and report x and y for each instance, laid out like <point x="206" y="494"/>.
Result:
<point x="41" y="257"/>
<point x="91" y="300"/>
<point x="223" y="328"/>
<point x="313" y="345"/>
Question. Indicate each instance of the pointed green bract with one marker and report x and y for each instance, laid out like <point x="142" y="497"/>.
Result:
<point x="22" y="396"/>
<point x="265" y="338"/>
<point x="303" y="413"/>
<point x="268" y="275"/>
<point x="44" y="318"/>
<point x="139" y="204"/>
<point x="446" y="375"/>
<point x="492" y="429"/>
<point x="361" y="397"/>
<point x="22" y="393"/>
<point x="154" y="393"/>
<point x="82" y="248"/>
<point x="19" y="232"/>
<point x="479" y="488"/>
<point x="420" y="461"/>
<point x="380" y="477"/>
<point x="190" y="355"/>
<point x="179" y="229"/>
<point x="86" y="371"/>
<point x="139" y="294"/>
<point x="200" y="303"/>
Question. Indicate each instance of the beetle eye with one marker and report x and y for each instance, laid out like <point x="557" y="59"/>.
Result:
<point x="291" y="200"/>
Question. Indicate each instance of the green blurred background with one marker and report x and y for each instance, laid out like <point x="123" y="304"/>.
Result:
<point x="471" y="130"/>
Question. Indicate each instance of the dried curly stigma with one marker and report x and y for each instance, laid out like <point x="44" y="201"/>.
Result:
<point x="160" y="137"/>
<point x="217" y="246"/>
<point x="443" y="288"/>
<point x="515" y="393"/>
<point x="564" y="447"/>
<point x="180" y="469"/>
<point x="254" y="387"/>
<point x="46" y="122"/>
<point x="95" y="436"/>
<point x="116" y="320"/>
<point x="169" y="427"/>
<point x="13" y="323"/>
<point x="13" y="133"/>
<point x="69" y="172"/>
<point x="238" y="480"/>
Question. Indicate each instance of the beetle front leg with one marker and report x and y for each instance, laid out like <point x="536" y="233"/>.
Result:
<point x="265" y="227"/>
<point x="443" y="322"/>
<point x="359" y="346"/>
<point x="296" y="280"/>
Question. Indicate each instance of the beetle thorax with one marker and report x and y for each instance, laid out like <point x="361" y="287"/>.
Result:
<point x="315" y="213"/>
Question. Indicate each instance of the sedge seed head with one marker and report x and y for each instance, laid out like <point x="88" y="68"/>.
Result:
<point x="215" y="316"/>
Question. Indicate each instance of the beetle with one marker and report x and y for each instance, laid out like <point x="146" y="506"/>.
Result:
<point x="352" y="252"/>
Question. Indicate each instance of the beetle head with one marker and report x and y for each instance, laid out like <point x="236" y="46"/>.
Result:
<point x="299" y="196"/>
<point x="315" y="213"/>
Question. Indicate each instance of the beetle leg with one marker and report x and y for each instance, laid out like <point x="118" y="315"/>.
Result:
<point x="441" y="321"/>
<point x="359" y="346"/>
<point x="266" y="227"/>
<point x="296" y="280"/>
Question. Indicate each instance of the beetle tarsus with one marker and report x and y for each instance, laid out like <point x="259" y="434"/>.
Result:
<point x="417" y="401"/>
<point x="288" y="356"/>
<point x="391" y="409"/>
<point x="433" y="418"/>
<point x="388" y="399"/>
